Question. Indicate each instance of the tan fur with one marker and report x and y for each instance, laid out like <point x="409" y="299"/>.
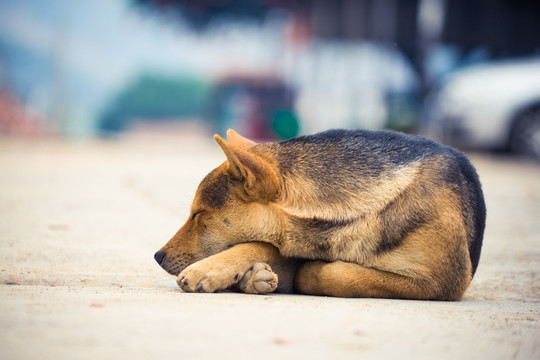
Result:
<point x="299" y="199"/>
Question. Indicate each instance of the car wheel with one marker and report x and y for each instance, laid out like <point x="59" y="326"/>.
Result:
<point x="525" y="135"/>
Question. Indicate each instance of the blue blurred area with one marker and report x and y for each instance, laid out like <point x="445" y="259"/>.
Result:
<point x="67" y="61"/>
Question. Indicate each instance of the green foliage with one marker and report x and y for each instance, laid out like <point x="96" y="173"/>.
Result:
<point x="155" y="97"/>
<point x="199" y="13"/>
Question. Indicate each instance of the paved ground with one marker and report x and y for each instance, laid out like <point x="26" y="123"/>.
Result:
<point x="79" y="223"/>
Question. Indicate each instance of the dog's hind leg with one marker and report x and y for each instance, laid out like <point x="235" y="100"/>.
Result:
<point x="430" y="262"/>
<point x="343" y="279"/>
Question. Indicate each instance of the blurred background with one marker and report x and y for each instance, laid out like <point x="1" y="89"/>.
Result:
<point x="465" y="72"/>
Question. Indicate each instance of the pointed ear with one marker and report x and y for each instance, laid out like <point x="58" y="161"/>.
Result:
<point x="258" y="176"/>
<point x="239" y="141"/>
<point x="234" y="168"/>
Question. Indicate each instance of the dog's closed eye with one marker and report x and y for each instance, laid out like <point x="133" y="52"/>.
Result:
<point x="196" y="214"/>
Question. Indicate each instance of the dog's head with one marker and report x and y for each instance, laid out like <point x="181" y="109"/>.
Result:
<point x="230" y="206"/>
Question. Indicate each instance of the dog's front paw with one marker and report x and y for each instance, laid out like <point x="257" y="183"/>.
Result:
<point x="196" y="278"/>
<point x="259" y="280"/>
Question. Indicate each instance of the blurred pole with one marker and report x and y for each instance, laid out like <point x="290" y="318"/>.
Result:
<point x="430" y="24"/>
<point x="383" y="17"/>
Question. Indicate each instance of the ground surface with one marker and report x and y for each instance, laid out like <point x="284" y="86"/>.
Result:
<point x="79" y="223"/>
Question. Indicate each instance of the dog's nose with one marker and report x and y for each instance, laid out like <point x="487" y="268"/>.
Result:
<point x="159" y="256"/>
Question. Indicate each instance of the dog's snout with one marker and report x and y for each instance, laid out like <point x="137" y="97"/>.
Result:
<point x="159" y="256"/>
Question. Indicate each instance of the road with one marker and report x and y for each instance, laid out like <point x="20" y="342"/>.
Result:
<point x="81" y="220"/>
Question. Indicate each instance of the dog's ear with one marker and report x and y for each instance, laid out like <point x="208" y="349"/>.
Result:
<point x="239" y="141"/>
<point x="258" y="176"/>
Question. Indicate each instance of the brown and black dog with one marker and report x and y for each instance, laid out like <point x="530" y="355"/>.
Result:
<point x="340" y="213"/>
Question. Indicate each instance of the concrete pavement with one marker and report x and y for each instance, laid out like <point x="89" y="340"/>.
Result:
<point x="80" y="221"/>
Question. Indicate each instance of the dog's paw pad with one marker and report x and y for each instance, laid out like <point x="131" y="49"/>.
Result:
<point x="259" y="280"/>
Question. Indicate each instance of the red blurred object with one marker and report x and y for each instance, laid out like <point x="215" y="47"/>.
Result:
<point x="15" y="119"/>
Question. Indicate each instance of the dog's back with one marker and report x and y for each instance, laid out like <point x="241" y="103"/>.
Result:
<point x="339" y="176"/>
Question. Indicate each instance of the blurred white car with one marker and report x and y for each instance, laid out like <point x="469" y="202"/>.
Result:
<point x="494" y="106"/>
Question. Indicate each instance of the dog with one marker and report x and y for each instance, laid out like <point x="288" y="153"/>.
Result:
<point x="345" y="213"/>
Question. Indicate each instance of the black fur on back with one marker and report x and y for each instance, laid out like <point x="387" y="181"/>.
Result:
<point x="372" y="146"/>
<point x="476" y="201"/>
